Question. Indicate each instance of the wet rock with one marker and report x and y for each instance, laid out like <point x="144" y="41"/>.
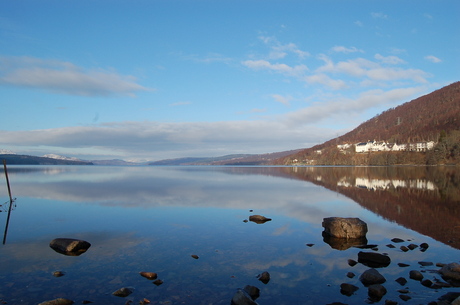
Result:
<point x="403" y="265"/>
<point x="264" y="277"/>
<point x="253" y="291"/>
<point x="397" y="240"/>
<point x="424" y="264"/>
<point x="58" y="273"/>
<point x="449" y="297"/>
<point x="389" y="302"/>
<point x="415" y="275"/>
<point x="352" y="262"/>
<point x="401" y="281"/>
<point x="371" y="276"/>
<point x="423" y="246"/>
<point x="348" y="289"/>
<point x="348" y="228"/>
<point x="451" y="273"/>
<point x="149" y="275"/>
<point x="376" y="292"/>
<point x="158" y="282"/>
<point x="310" y="245"/>
<point x="58" y="301"/>
<point x="373" y="260"/>
<point x="412" y="246"/>
<point x="427" y="283"/>
<point x="404" y="297"/>
<point x="122" y="292"/>
<point x="69" y="246"/>
<point x="241" y="297"/>
<point x="195" y="256"/>
<point x="259" y="219"/>
<point x="350" y="275"/>
<point x="404" y="249"/>
<point x="391" y="246"/>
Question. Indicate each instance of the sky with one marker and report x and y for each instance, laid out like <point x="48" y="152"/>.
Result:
<point x="160" y="79"/>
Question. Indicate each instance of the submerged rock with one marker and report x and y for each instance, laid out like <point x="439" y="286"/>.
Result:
<point x="59" y="301"/>
<point x="195" y="256"/>
<point x="58" y="273"/>
<point x="348" y="228"/>
<point x="69" y="246"/>
<point x="259" y="219"/>
<point x="348" y="289"/>
<point x="373" y="259"/>
<point x="343" y="243"/>
<point x="376" y="292"/>
<point x="122" y="292"/>
<point x="242" y="297"/>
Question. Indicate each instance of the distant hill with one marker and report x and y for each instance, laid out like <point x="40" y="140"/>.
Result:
<point x="242" y="159"/>
<point x="13" y="159"/>
<point x="432" y="117"/>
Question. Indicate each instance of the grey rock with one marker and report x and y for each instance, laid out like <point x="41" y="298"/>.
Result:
<point x="69" y="246"/>
<point x="371" y="276"/>
<point x="451" y="273"/>
<point x="347" y="228"/>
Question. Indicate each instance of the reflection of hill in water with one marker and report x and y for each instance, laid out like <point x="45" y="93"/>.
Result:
<point x="426" y="200"/>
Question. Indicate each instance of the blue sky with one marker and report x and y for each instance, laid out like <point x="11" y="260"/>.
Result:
<point x="151" y="80"/>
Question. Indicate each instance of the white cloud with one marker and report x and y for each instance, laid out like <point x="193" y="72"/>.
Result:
<point x="65" y="78"/>
<point x="282" y="99"/>
<point x="279" y="50"/>
<point x="325" y="80"/>
<point x="393" y="60"/>
<point x="379" y="15"/>
<point x="433" y="59"/>
<point x="280" y="68"/>
<point x="342" y="49"/>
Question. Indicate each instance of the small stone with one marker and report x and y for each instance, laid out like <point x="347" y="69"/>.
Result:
<point x="58" y="273"/>
<point x="253" y="291"/>
<point x="391" y="246"/>
<point x="348" y="289"/>
<point x="158" y="282"/>
<point x="352" y="262"/>
<point x="122" y="292"/>
<point x="149" y="275"/>
<point x="69" y="246"/>
<point x="264" y="277"/>
<point x="424" y="264"/>
<point x="412" y="246"/>
<point x="401" y="281"/>
<point x="397" y="240"/>
<point x="195" y="256"/>
<point x="404" y="297"/>
<point x="427" y="283"/>
<point x="404" y="248"/>
<point x="415" y="275"/>
<point x="350" y="275"/>
<point x="310" y="245"/>
<point x="389" y="302"/>
<point x="424" y="246"/>
<point x="403" y="291"/>
<point x="403" y="265"/>
<point x="259" y="219"/>
<point x="374" y="260"/>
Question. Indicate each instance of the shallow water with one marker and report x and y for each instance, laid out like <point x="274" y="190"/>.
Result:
<point x="155" y="218"/>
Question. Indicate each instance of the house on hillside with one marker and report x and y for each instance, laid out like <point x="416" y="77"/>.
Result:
<point x="371" y="146"/>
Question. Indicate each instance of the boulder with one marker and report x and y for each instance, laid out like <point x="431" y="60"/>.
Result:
<point x="149" y="275"/>
<point x="371" y="277"/>
<point x="264" y="277"/>
<point x="348" y="289"/>
<point x="451" y="273"/>
<point x="343" y="243"/>
<point x="259" y="219"/>
<point x="241" y="297"/>
<point x="373" y="259"/>
<point x="69" y="246"/>
<point x="416" y="275"/>
<point x="348" y="228"/>
<point x="376" y="292"/>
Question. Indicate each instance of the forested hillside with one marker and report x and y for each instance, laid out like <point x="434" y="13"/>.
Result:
<point x="433" y="117"/>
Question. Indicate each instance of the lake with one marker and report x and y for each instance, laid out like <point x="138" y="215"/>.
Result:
<point x="155" y="218"/>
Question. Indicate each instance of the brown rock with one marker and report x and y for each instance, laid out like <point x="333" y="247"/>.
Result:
<point x="415" y="275"/>
<point x="259" y="219"/>
<point x="344" y="227"/>
<point x="122" y="292"/>
<point x="451" y="273"/>
<point x="149" y="275"/>
<point x="69" y="246"/>
<point x="264" y="277"/>
<point x="59" y="301"/>
<point x="376" y="292"/>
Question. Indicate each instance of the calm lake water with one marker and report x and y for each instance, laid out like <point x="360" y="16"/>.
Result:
<point x="155" y="218"/>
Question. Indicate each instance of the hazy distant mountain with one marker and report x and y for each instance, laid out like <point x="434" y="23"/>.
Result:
<point x="58" y="157"/>
<point x="113" y="162"/>
<point x="431" y="117"/>
<point x="242" y="159"/>
<point x="13" y="159"/>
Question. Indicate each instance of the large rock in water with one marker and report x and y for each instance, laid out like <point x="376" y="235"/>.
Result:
<point x="348" y="228"/>
<point x="69" y="246"/>
<point x="451" y="273"/>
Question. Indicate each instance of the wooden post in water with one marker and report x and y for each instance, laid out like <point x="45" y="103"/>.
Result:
<point x="7" y="180"/>
<point x="11" y="202"/>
